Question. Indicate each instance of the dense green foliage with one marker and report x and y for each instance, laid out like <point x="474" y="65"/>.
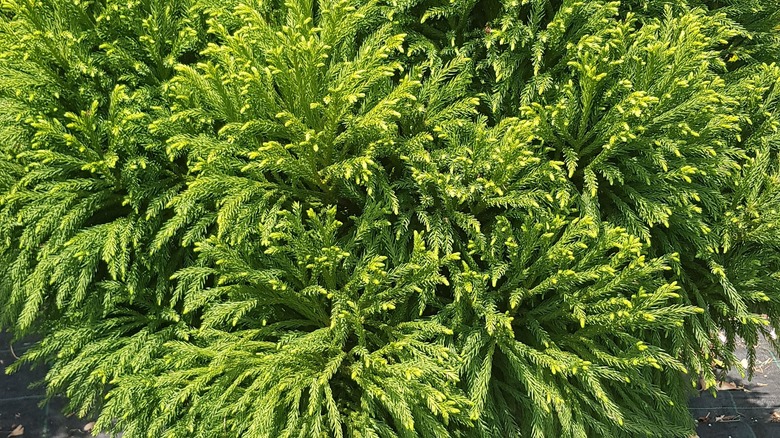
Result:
<point x="418" y="218"/>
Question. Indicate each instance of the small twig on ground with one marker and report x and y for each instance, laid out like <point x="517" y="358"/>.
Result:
<point x="11" y="346"/>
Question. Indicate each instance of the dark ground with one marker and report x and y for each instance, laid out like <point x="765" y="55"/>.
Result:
<point x="22" y="406"/>
<point x="743" y="411"/>
<point x="745" y="408"/>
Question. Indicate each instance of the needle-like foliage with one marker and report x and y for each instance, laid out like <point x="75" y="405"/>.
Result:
<point x="420" y="218"/>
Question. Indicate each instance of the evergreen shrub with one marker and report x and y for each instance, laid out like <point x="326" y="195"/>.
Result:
<point x="388" y="218"/>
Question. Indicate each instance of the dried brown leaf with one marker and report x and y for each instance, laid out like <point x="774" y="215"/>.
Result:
<point x="729" y="386"/>
<point x="19" y="431"/>
<point x="702" y="384"/>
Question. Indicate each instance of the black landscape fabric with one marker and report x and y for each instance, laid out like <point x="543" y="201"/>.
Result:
<point x="742" y="408"/>
<point x="23" y="412"/>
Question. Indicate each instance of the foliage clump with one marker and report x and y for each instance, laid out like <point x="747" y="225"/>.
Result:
<point x="351" y="218"/>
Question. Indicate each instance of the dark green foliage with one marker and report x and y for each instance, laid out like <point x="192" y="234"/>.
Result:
<point x="388" y="219"/>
